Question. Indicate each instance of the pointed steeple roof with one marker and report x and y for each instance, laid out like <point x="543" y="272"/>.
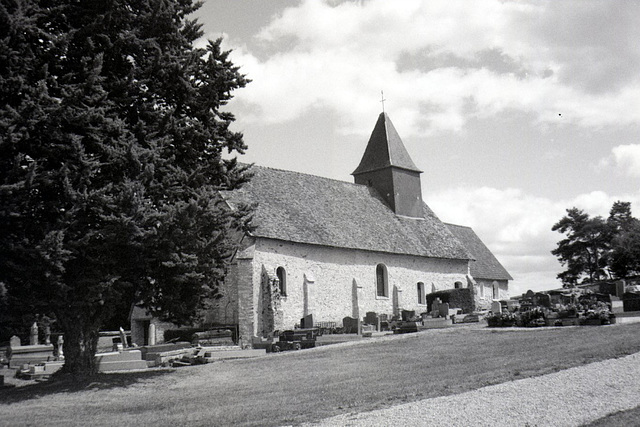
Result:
<point x="385" y="149"/>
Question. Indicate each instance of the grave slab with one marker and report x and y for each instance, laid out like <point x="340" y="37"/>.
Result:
<point x="29" y="354"/>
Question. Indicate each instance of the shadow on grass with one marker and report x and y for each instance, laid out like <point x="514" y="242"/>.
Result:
<point x="618" y="419"/>
<point x="70" y="384"/>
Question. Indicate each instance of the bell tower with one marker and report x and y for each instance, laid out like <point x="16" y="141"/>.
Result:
<point x="387" y="167"/>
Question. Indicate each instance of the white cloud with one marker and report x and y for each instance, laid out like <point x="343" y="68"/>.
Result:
<point x="341" y="56"/>
<point x="517" y="226"/>
<point x="627" y="157"/>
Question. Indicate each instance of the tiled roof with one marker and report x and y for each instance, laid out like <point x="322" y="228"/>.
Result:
<point x="485" y="266"/>
<point x="309" y="209"/>
<point x="384" y="149"/>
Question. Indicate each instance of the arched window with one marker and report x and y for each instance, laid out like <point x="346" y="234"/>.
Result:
<point x="496" y="290"/>
<point x="382" y="285"/>
<point x="282" y="279"/>
<point x="458" y="285"/>
<point x="420" y="287"/>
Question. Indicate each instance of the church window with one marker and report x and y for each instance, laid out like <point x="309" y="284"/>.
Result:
<point x="282" y="280"/>
<point x="382" y="279"/>
<point x="458" y="285"/>
<point x="496" y="290"/>
<point x="420" y="287"/>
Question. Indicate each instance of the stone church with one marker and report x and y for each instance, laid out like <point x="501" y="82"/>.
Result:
<point x="335" y="249"/>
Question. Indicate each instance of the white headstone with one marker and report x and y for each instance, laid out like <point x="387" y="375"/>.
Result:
<point x="33" y="338"/>
<point x="60" y="344"/>
<point x="496" y="307"/>
<point x="152" y="334"/>
<point x="14" y="341"/>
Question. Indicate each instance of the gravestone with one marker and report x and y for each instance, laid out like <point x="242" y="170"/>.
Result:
<point x="33" y="337"/>
<point x="435" y="307"/>
<point x="444" y="310"/>
<point x="14" y="341"/>
<point x="371" y="318"/>
<point x="620" y="285"/>
<point x="367" y="330"/>
<point x="307" y="321"/>
<point x="496" y="307"/>
<point x="407" y="315"/>
<point x="60" y="353"/>
<point x="47" y="334"/>
<point x="123" y="338"/>
<point x="29" y="354"/>
<point x="617" y="306"/>
<point x="350" y="325"/>
<point x="152" y="334"/>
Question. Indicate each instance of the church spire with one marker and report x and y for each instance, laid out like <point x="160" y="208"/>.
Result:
<point x="387" y="166"/>
<point x="385" y="149"/>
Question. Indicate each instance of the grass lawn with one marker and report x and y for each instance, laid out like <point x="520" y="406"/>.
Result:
<point x="294" y="387"/>
<point x="619" y="419"/>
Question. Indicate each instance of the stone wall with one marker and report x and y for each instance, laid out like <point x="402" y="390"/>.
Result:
<point x="140" y="321"/>
<point x="483" y="292"/>
<point x="223" y="311"/>
<point x="333" y="283"/>
<point x="247" y="298"/>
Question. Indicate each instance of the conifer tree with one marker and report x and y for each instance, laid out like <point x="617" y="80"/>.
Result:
<point x="111" y="163"/>
<point x="598" y="248"/>
<point x="584" y="250"/>
<point x="624" y="258"/>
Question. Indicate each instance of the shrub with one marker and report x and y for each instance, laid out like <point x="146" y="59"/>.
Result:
<point x="501" y="320"/>
<point x="532" y="318"/>
<point x="457" y="298"/>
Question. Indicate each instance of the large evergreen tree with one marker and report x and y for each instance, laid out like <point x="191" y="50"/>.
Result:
<point x="595" y="248"/>
<point x="584" y="250"/>
<point x="111" y="144"/>
<point x="624" y="257"/>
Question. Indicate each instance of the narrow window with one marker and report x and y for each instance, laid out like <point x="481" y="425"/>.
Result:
<point x="481" y="285"/>
<point x="382" y="286"/>
<point x="420" y="287"/>
<point x="282" y="280"/>
<point x="496" y="290"/>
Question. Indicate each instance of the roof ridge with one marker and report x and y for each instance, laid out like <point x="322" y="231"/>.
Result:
<point x="305" y="174"/>
<point x="457" y="225"/>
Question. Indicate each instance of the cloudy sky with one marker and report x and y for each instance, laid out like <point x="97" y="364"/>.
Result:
<point x="515" y="111"/>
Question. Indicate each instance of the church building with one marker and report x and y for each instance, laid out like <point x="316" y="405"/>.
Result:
<point x="336" y="249"/>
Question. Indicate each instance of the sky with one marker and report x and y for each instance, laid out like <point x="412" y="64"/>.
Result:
<point x="514" y="110"/>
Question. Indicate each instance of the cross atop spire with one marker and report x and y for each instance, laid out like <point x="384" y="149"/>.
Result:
<point x="382" y="100"/>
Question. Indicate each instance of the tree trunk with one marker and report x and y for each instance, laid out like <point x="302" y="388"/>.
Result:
<point x="80" y="346"/>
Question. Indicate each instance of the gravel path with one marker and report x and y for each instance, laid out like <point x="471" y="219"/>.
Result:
<point x="571" y="397"/>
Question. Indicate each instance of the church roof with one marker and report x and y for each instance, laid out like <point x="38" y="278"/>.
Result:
<point x="384" y="149"/>
<point x="485" y="266"/>
<point x="304" y="208"/>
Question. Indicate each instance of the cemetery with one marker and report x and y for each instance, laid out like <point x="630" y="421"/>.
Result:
<point x="189" y="346"/>
<point x="41" y="358"/>
<point x="117" y="353"/>
<point x="601" y="303"/>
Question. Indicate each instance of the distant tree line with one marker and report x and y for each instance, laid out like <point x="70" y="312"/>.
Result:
<point x="596" y="248"/>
